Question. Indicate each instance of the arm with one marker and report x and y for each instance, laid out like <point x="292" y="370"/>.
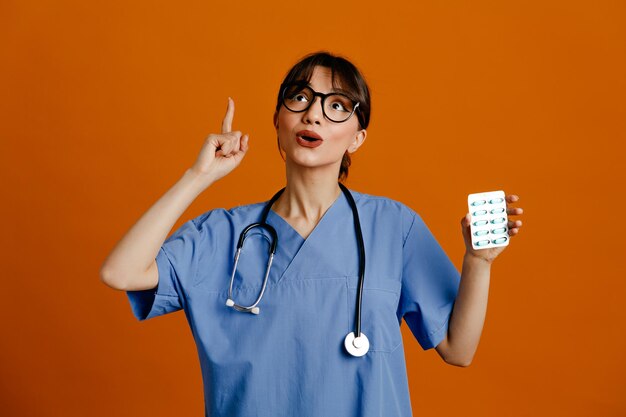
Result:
<point x="131" y="265"/>
<point x="470" y="308"/>
<point x="468" y="314"/>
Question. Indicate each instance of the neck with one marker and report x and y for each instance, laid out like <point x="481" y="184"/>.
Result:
<point x="308" y="193"/>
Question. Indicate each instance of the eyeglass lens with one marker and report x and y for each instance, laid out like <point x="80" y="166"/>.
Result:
<point x="336" y="107"/>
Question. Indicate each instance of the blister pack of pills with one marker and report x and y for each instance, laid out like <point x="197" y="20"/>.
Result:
<point x="489" y="221"/>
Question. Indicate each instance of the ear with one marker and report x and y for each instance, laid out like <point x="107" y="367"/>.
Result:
<point x="359" y="138"/>
<point x="276" y="119"/>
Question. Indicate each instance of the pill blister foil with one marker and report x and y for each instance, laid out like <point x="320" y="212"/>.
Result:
<point x="489" y="221"/>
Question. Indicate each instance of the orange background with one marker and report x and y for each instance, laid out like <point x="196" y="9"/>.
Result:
<point x="104" y="105"/>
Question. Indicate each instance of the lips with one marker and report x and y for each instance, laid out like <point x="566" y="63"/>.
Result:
<point x="309" y="139"/>
<point x="309" y="135"/>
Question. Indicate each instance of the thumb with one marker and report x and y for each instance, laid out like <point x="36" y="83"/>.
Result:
<point x="466" y="231"/>
<point x="465" y="222"/>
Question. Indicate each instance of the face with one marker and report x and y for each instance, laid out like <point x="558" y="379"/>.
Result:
<point x="336" y="138"/>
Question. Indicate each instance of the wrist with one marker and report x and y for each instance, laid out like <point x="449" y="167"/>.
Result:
<point x="477" y="260"/>
<point x="201" y="181"/>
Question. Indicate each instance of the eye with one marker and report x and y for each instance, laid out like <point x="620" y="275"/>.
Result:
<point x="300" y="97"/>
<point x="337" y="106"/>
<point x="340" y="103"/>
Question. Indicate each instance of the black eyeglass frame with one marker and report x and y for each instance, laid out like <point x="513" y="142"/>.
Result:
<point x="323" y="100"/>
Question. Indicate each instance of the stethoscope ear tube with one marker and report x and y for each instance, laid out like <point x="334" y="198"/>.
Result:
<point x="268" y="228"/>
<point x="273" y="245"/>
<point x="242" y="238"/>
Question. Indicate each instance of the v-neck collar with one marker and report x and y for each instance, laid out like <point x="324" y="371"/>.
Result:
<point x="281" y="219"/>
<point x="292" y="245"/>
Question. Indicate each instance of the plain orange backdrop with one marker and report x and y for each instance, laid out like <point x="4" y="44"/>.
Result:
<point x="104" y="105"/>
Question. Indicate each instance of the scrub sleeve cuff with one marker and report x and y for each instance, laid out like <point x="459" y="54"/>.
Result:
<point x="437" y="336"/>
<point x="163" y="299"/>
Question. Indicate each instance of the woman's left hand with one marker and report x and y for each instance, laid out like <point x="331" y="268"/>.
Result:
<point x="489" y="255"/>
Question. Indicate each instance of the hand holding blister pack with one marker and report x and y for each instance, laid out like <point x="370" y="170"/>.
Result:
<point x="489" y="220"/>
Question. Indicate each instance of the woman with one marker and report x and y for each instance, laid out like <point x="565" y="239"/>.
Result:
<point x="300" y="349"/>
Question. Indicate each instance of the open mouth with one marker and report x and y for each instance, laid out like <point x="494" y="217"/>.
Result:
<point x="309" y="135"/>
<point x="309" y="138"/>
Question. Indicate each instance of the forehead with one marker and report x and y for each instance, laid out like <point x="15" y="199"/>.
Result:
<point x="321" y="79"/>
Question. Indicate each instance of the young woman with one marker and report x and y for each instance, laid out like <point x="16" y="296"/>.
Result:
<point x="304" y="320"/>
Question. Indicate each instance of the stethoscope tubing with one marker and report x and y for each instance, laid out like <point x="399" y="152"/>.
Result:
<point x="272" y="250"/>
<point x="361" y="247"/>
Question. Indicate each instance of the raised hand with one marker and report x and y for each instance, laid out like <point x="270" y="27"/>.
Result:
<point x="222" y="153"/>
<point x="489" y="255"/>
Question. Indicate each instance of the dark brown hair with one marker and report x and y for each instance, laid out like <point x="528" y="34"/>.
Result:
<point x="344" y="75"/>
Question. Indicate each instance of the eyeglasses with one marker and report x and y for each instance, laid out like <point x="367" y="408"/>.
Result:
<point x="337" y="107"/>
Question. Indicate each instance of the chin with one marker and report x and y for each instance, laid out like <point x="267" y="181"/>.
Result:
<point x="310" y="164"/>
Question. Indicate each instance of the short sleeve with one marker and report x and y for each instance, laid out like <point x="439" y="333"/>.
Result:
<point x="430" y="283"/>
<point x="177" y="265"/>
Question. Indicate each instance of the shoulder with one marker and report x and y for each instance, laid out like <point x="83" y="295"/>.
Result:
<point x="381" y="203"/>
<point x="380" y="207"/>
<point x="244" y="213"/>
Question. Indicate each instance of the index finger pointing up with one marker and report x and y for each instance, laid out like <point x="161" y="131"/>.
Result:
<point x="227" y="123"/>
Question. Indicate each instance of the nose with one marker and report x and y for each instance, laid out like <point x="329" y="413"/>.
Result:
<point x="314" y="114"/>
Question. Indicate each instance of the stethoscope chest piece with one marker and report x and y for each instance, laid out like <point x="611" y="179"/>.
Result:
<point x="356" y="346"/>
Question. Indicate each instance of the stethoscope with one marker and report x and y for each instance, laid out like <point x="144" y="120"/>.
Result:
<point x="356" y="343"/>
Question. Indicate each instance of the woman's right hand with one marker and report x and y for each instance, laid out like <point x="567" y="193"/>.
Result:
<point x="221" y="153"/>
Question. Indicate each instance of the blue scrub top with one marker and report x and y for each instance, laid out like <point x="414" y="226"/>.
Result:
<point x="290" y="359"/>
